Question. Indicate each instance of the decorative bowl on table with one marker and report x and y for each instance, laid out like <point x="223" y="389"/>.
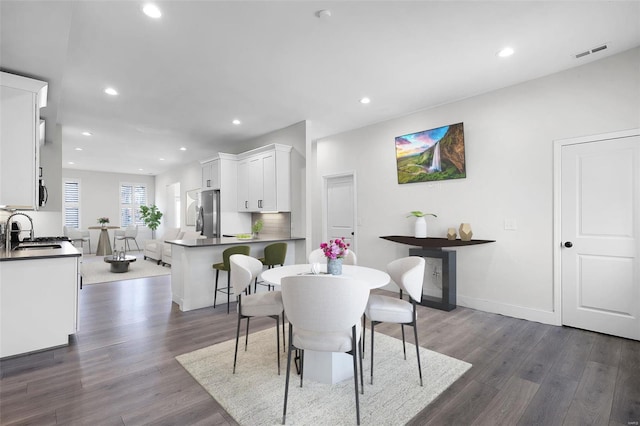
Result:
<point x="244" y="236"/>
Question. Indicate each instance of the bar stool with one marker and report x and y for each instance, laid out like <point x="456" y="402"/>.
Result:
<point x="225" y="266"/>
<point x="274" y="254"/>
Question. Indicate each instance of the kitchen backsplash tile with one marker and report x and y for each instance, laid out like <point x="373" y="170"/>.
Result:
<point x="274" y="223"/>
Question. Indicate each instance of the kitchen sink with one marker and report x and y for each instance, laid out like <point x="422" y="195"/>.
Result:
<point x="38" y="247"/>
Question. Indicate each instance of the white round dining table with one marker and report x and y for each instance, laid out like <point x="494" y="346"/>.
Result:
<point x="373" y="277"/>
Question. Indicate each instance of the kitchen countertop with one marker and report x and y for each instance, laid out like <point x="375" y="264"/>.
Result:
<point x="67" y="250"/>
<point x="211" y="242"/>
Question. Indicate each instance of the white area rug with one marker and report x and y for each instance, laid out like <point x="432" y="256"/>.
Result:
<point x="95" y="270"/>
<point x="255" y="394"/>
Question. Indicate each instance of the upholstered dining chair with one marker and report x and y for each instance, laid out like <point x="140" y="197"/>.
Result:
<point x="77" y="235"/>
<point x="224" y="266"/>
<point x="244" y="270"/>
<point x="126" y="235"/>
<point x="317" y="256"/>
<point x="324" y="315"/>
<point x="274" y="254"/>
<point x="408" y="274"/>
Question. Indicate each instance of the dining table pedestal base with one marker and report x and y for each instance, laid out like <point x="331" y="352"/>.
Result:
<point x="327" y="367"/>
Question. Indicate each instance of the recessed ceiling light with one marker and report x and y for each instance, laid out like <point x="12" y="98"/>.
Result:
<point x="78" y="149"/>
<point x="365" y="100"/>
<point x="111" y="91"/>
<point x="182" y="148"/>
<point x="161" y="159"/>
<point x="140" y="170"/>
<point x="71" y="162"/>
<point x="87" y="133"/>
<point x="151" y="10"/>
<point x="236" y="122"/>
<point x="324" y="13"/>
<point x="506" y="52"/>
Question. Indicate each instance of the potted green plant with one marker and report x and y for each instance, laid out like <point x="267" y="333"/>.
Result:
<point x="420" y="230"/>
<point x="151" y="216"/>
<point x="257" y="227"/>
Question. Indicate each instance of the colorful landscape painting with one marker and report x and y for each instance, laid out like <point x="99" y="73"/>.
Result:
<point x="429" y="155"/>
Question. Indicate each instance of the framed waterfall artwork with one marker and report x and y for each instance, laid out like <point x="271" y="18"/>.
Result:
<point x="192" y="206"/>
<point x="431" y="155"/>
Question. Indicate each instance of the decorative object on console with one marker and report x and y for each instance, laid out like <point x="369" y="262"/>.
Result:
<point x="431" y="155"/>
<point x="420" y="227"/>
<point x="151" y="216"/>
<point x="334" y="251"/>
<point x="103" y="221"/>
<point x="451" y="234"/>
<point x="465" y="232"/>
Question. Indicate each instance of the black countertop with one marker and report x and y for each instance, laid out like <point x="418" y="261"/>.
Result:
<point x="212" y="242"/>
<point x="67" y="250"/>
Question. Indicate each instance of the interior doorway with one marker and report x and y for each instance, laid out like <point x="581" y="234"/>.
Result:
<point x="598" y="239"/>
<point x="339" y="200"/>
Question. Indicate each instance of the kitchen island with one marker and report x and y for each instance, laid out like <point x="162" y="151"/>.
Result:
<point x="38" y="297"/>
<point x="193" y="278"/>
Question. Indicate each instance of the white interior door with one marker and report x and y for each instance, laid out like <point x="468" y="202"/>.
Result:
<point x="600" y="221"/>
<point x="340" y="209"/>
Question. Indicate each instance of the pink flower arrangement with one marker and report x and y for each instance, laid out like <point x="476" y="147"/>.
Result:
<point x="335" y="249"/>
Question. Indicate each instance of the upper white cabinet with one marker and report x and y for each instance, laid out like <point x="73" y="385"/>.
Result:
<point x="264" y="179"/>
<point x="20" y="101"/>
<point x="210" y="174"/>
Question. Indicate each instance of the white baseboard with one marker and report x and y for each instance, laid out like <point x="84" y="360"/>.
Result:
<point x="529" y="314"/>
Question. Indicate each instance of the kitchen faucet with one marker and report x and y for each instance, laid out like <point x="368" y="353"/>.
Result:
<point x="8" y="230"/>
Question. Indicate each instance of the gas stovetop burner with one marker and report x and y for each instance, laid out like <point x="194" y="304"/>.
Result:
<point x="45" y="239"/>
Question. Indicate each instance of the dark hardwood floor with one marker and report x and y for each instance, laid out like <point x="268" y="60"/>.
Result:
<point x="120" y="368"/>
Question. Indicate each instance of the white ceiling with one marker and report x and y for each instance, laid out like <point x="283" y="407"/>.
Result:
<point x="183" y="78"/>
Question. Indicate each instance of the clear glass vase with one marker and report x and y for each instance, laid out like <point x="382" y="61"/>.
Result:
<point x="334" y="266"/>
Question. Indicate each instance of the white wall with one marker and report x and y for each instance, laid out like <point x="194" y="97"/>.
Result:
<point x="189" y="177"/>
<point x="100" y="196"/>
<point x="509" y="136"/>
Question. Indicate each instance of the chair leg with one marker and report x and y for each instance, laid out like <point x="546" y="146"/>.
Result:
<point x="404" y="348"/>
<point x="286" y="386"/>
<point x="372" y="326"/>
<point x="235" y="355"/>
<point x="354" y="344"/>
<point x="283" y="339"/>
<point x="301" y="366"/>
<point x="89" y="246"/>
<point x="364" y="323"/>
<point x="360" y="346"/>
<point x="228" y="290"/>
<point x="415" y="335"/>
<point x="246" y="336"/>
<point x="137" y="246"/>
<point x="215" y="292"/>
<point x="277" y="318"/>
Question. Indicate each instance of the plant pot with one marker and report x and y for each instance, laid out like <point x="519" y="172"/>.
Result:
<point x="334" y="266"/>
<point x="420" y="228"/>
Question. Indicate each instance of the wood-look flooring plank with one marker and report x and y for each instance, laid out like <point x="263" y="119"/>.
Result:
<point x="541" y="358"/>
<point x="606" y="350"/>
<point x="508" y="404"/>
<point x="551" y="402"/>
<point x="574" y="354"/>
<point x="594" y="396"/>
<point x="625" y="409"/>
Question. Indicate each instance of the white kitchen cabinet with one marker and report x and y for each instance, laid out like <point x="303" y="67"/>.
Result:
<point x="39" y="303"/>
<point x="210" y="174"/>
<point x="20" y="101"/>
<point x="243" y="185"/>
<point x="264" y="179"/>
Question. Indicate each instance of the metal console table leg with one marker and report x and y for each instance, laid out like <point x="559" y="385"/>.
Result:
<point x="448" y="300"/>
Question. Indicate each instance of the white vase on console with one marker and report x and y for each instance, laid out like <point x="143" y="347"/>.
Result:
<point x="420" y="227"/>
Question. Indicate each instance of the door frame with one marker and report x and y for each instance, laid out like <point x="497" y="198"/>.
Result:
<point x="325" y="213"/>
<point x="557" y="209"/>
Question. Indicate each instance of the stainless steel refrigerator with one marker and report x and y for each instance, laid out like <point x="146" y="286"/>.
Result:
<point x="209" y="214"/>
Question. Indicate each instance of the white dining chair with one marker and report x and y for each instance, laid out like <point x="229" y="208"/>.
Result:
<point x="324" y="315"/>
<point x="244" y="271"/>
<point x="408" y="274"/>
<point x="317" y="256"/>
<point x="77" y="235"/>
<point x="126" y="235"/>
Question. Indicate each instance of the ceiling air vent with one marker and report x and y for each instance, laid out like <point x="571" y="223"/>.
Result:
<point x="588" y="52"/>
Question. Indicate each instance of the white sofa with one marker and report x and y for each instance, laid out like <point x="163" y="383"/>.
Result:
<point x="166" y="248"/>
<point x="153" y="248"/>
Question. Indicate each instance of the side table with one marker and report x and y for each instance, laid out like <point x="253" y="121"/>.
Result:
<point x="119" y="266"/>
